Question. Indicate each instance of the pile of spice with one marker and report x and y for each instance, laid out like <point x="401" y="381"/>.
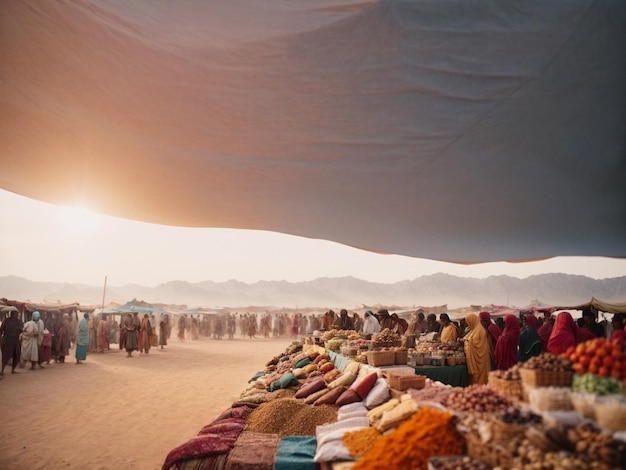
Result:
<point x="426" y="434"/>
<point x="290" y="417"/>
<point x="361" y="441"/>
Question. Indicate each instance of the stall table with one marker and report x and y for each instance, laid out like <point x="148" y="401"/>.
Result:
<point x="452" y="375"/>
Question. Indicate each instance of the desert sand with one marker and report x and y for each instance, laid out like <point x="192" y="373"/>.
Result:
<point x="114" y="412"/>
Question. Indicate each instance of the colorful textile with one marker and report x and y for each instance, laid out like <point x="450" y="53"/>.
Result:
<point x="253" y="450"/>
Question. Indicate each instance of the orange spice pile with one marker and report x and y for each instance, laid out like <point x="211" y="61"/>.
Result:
<point x="427" y="434"/>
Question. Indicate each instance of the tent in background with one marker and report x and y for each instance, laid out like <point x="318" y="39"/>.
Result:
<point x="469" y="131"/>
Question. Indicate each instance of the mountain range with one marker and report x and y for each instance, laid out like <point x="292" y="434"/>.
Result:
<point x="554" y="289"/>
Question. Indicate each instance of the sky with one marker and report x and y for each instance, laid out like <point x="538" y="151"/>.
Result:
<point x="48" y="243"/>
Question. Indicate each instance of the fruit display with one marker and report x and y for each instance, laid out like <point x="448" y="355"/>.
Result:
<point x="591" y="383"/>
<point x="600" y="357"/>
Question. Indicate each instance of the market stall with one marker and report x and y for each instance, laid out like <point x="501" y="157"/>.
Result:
<point x="314" y="408"/>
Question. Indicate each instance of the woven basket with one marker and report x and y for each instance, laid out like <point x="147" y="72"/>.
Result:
<point x="509" y="388"/>
<point x="545" y="378"/>
<point x="504" y="432"/>
<point x="401" y="357"/>
<point x="381" y="358"/>
<point x="493" y="454"/>
<point x="404" y="382"/>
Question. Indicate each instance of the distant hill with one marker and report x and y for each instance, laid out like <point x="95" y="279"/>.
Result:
<point x="436" y="289"/>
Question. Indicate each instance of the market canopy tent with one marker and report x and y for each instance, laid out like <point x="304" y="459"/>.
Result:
<point x="465" y="131"/>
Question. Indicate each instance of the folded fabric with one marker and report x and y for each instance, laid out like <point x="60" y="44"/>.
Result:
<point x="253" y="450"/>
<point x="296" y="453"/>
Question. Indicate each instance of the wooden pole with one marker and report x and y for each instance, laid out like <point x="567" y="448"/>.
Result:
<point x="104" y="292"/>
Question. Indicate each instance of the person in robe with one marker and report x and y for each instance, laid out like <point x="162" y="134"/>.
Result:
<point x="357" y="321"/>
<point x="476" y="346"/>
<point x="493" y="334"/>
<point x="431" y="324"/>
<point x="163" y="332"/>
<point x="93" y="335"/>
<point x="103" y="334"/>
<point x="82" y="338"/>
<point x="144" y="335"/>
<point x="386" y="322"/>
<point x="545" y="330"/>
<point x="530" y="343"/>
<point x="619" y="334"/>
<point x="565" y="333"/>
<point x="10" y="331"/>
<point x="343" y="322"/>
<point x="506" y="346"/>
<point x="32" y="335"/>
<point x="153" y="337"/>
<point x="131" y="326"/>
<point x="181" y="327"/>
<point x="590" y="323"/>
<point x="449" y="332"/>
<point x="400" y="324"/>
<point x="371" y="326"/>
<point x="62" y="332"/>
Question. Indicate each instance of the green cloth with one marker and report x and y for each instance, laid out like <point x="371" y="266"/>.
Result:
<point x="452" y="375"/>
<point x="296" y="453"/>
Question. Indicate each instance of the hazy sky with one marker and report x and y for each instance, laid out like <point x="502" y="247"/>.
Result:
<point x="44" y="242"/>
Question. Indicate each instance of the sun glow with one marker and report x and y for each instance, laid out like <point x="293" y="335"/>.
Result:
<point x="78" y="219"/>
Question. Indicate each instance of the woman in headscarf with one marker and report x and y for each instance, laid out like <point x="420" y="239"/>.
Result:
<point x="400" y="324"/>
<point x="545" y="330"/>
<point x="493" y="333"/>
<point x="449" y="332"/>
<point x="476" y="345"/>
<point x="565" y="333"/>
<point x="371" y="326"/>
<point x="506" y="346"/>
<point x="529" y="341"/>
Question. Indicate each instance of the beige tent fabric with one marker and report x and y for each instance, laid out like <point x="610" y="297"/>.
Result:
<point x="465" y="131"/>
<point x="599" y="305"/>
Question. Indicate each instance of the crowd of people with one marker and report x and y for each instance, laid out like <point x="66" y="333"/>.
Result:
<point x="488" y="344"/>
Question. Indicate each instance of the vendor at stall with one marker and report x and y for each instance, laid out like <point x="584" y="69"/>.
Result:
<point x="448" y="330"/>
<point x="476" y="351"/>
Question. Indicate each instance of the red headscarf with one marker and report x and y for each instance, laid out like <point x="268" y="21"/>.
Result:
<point x="492" y="328"/>
<point x="532" y="321"/>
<point x="506" y="346"/>
<point x="565" y="333"/>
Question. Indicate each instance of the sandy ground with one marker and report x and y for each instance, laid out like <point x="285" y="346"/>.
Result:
<point x="113" y="412"/>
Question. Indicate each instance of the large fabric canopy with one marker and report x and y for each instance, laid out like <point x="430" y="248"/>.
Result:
<point x="455" y="130"/>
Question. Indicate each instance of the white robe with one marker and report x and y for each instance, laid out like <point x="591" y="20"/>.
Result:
<point x="32" y="336"/>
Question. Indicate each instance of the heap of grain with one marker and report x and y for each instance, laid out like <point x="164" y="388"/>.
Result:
<point x="290" y="417"/>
